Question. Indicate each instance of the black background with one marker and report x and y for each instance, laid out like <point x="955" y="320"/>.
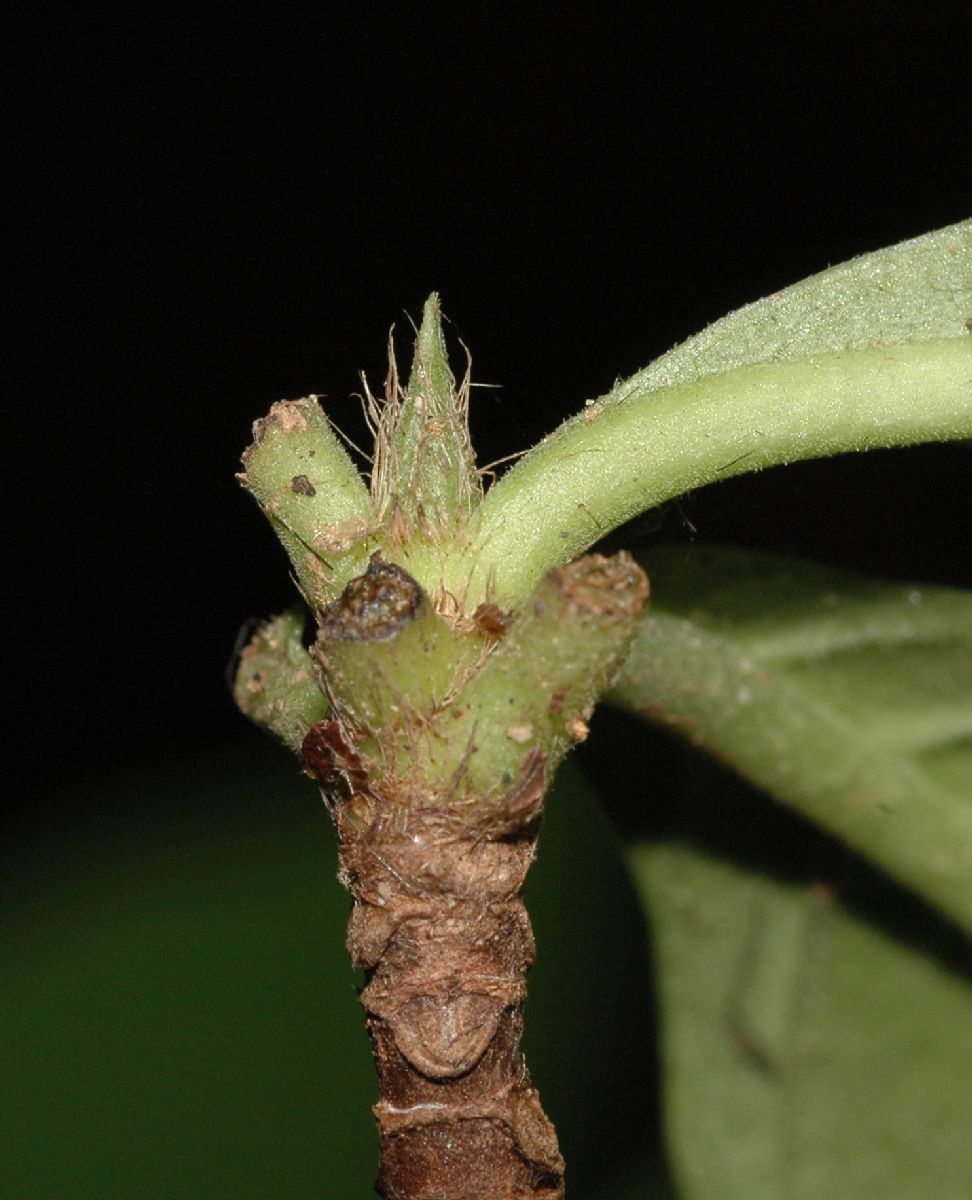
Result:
<point x="209" y="214"/>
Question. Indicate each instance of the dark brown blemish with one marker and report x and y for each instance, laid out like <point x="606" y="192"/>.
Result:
<point x="613" y="587"/>
<point x="302" y="486"/>
<point x="528" y="790"/>
<point x="374" y="607"/>
<point x="326" y="756"/>
<point x="491" y="620"/>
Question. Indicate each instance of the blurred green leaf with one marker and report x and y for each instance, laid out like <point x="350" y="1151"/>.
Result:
<point x="177" y="1012"/>
<point x="806" y="1052"/>
<point x="849" y="699"/>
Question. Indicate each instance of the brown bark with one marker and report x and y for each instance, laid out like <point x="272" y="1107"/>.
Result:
<point x="442" y="934"/>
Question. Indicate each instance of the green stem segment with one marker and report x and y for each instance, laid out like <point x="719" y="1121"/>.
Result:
<point x="276" y="683"/>
<point x="312" y="493"/>
<point x="450" y="718"/>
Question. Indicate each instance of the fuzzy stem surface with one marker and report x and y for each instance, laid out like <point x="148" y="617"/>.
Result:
<point x="637" y="448"/>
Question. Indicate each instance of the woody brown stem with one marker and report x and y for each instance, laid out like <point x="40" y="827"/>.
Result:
<point x="440" y="930"/>
<point x="442" y="934"/>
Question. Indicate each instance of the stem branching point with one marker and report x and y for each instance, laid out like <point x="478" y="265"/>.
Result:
<point x="459" y="651"/>
<point x="434" y="725"/>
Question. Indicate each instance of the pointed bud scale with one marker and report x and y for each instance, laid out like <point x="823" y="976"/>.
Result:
<point x="430" y="483"/>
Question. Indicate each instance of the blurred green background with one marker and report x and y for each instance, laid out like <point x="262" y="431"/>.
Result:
<point x="179" y="1017"/>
